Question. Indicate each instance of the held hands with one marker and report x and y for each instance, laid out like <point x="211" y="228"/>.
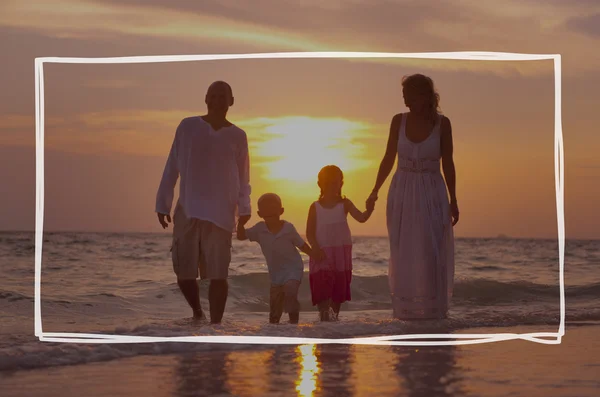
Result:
<point x="370" y="203"/>
<point x="243" y="220"/>
<point x="370" y="206"/>
<point x="318" y="254"/>
<point x="241" y="230"/>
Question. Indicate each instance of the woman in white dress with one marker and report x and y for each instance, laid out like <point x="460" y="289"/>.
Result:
<point x="420" y="216"/>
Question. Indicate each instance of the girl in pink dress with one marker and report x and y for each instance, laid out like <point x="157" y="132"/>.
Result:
<point x="327" y="231"/>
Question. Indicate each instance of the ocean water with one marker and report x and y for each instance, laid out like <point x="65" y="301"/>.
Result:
<point x="123" y="284"/>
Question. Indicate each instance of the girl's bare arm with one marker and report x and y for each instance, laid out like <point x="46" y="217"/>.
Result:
<point x="311" y="227"/>
<point x="359" y="216"/>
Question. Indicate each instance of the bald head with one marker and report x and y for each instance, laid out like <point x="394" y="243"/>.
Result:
<point x="218" y="99"/>
<point x="220" y="84"/>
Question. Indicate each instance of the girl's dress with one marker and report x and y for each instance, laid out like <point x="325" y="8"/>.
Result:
<point x="421" y="266"/>
<point x="331" y="277"/>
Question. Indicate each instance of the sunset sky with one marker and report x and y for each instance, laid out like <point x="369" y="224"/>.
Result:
<point x="109" y="128"/>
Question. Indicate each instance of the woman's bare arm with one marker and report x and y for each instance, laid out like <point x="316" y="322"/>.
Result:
<point x="448" y="167"/>
<point x="447" y="147"/>
<point x="389" y="158"/>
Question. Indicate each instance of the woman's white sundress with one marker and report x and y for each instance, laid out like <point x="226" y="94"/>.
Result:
<point x="421" y="236"/>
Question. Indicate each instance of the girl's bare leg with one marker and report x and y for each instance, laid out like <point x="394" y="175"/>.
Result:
<point x="324" y="310"/>
<point x="336" y="308"/>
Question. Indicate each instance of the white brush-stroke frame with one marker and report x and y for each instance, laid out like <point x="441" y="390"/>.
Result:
<point x="379" y="340"/>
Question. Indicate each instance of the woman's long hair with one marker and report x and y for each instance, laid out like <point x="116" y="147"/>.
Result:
<point x="326" y="175"/>
<point x="421" y="83"/>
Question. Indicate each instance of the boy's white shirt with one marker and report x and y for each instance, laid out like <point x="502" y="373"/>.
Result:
<point x="287" y="255"/>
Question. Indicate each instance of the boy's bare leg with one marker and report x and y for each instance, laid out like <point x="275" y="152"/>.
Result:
<point x="274" y="315"/>
<point x="217" y="298"/>
<point x="276" y="304"/>
<point x="191" y="292"/>
<point x="291" y="300"/>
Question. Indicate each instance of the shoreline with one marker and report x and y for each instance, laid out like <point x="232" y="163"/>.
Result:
<point x="495" y="368"/>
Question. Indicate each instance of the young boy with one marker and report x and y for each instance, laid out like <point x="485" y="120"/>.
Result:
<point x="279" y="241"/>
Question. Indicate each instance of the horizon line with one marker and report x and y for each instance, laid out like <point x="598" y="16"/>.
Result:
<point x="499" y="236"/>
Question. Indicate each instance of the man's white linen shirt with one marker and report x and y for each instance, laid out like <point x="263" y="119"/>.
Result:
<point x="214" y="170"/>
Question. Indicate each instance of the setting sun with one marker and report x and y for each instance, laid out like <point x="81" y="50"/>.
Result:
<point x="296" y="148"/>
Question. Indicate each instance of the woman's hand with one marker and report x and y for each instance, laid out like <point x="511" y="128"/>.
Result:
<point x="370" y="207"/>
<point x="454" y="211"/>
<point x="370" y="203"/>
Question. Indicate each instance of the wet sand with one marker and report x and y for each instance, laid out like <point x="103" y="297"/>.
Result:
<point x="493" y="369"/>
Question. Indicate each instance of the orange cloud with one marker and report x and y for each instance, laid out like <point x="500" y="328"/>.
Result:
<point x="477" y="29"/>
<point x="76" y="18"/>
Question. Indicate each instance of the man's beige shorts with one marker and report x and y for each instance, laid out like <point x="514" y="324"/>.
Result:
<point x="200" y="248"/>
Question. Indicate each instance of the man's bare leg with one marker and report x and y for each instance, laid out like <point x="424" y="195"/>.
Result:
<point x="217" y="298"/>
<point x="191" y="292"/>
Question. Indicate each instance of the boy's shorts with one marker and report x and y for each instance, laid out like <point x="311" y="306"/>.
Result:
<point x="278" y="303"/>
<point x="200" y="248"/>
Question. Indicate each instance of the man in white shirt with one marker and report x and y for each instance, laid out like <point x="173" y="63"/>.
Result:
<point x="210" y="154"/>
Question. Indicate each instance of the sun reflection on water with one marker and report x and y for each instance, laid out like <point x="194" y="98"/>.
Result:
<point x="306" y="384"/>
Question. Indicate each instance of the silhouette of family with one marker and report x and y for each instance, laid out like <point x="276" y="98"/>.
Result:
<point x="210" y="157"/>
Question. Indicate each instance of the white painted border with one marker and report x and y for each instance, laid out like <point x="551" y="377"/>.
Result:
<point x="396" y="340"/>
